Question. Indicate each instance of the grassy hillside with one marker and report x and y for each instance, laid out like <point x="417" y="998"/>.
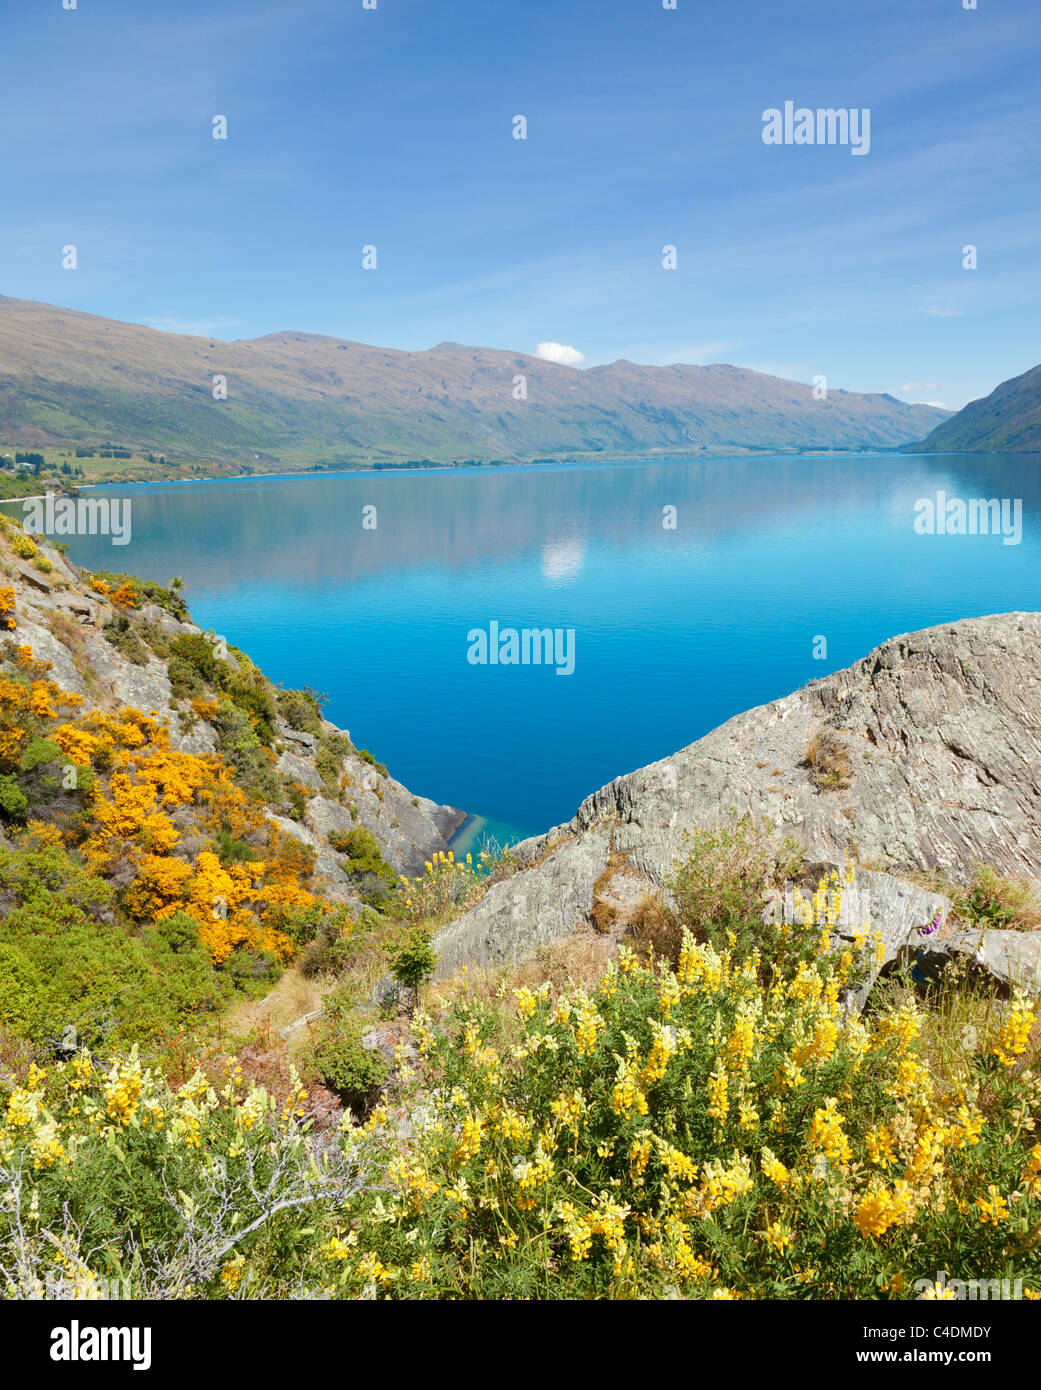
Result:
<point x="1006" y="421"/>
<point x="299" y="400"/>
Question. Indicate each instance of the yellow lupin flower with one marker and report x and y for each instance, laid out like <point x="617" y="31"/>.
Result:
<point x="995" y="1209"/>
<point x="779" y="1236"/>
<point x="774" y="1169"/>
<point x="1012" y="1040"/>
<point x="718" y="1094"/>
<point x="938" y="1293"/>
<point x="231" y="1274"/>
<point x="826" y="1133"/>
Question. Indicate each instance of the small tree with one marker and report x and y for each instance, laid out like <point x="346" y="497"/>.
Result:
<point x="415" y="964"/>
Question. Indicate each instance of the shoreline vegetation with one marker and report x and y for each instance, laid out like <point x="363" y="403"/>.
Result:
<point x="105" y="473"/>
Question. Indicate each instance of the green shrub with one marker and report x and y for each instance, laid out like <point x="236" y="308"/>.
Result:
<point x="415" y="962"/>
<point x="720" y="887"/>
<point x="331" y="947"/>
<point x="121" y="633"/>
<point x="251" y="971"/>
<point x="20" y="991"/>
<point x="185" y="680"/>
<point x="364" y="862"/>
<point x="301" y="709"/>
<point x="232" y="851"/>
<point x="297" y="799"/>
<point x="37" y="752"/>
<point x="239" y="741"/>
<point x="355" y="1072"/>
<point x="156" y="637"/>
<point x="86" y="969"/>
<point x="197" y="651"/>
<point x="13" y="802"/>
<point x="257" y="702"/>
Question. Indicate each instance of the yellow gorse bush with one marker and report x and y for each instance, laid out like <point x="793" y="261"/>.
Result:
<point x="137" y="785"/>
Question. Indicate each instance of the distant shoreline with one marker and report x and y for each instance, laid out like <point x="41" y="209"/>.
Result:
<point x="546" y="465"/>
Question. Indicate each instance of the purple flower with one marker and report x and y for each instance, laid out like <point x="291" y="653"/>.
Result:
<point x="927" y="928"/>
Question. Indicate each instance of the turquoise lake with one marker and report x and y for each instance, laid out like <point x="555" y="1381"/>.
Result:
<point x="674" y="630"/>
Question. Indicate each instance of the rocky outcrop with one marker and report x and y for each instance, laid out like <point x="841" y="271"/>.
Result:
<point x="929" y="757"/>
<point x="108" y="657"/>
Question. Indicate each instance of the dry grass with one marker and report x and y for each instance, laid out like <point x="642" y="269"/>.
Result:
<point x="604" y="914"/>
<point x="15" y="1056"/>
<point x="828" y="762"/>
<point x="656" y="930"/>
<point x="292" y="997"/>
<point x="989" y="899"/>
<point x="575" y="961"/>
<point x="68" y="631"/>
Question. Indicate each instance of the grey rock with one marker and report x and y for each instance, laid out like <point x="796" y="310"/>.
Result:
<point x="299" y="769"/>
<point x="146" y="687"/>
<point x="199" y="739"/>
<point x="161" y="618"/>
<point x="33" y="578"/>
<point x="323" y="816"/>
<point x="305" y="740"/>
<point x="1010" y="959"/>
<point x="292" y="827"/>
<point x="943" y="732"/>
<point x="533" y="907"/>
<point x="80" y="608"/>
<point x="46" y="647"/>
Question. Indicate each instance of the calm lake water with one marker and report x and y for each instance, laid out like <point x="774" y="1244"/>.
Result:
<point x="675" y="630"/>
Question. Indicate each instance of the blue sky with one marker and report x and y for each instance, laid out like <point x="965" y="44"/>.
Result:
<point x="392" y="127"/>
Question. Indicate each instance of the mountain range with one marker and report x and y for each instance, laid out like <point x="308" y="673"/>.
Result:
<point x="298" y="399"/>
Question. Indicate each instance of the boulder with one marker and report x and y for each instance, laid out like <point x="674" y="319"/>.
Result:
<point x="1009" y="960"/>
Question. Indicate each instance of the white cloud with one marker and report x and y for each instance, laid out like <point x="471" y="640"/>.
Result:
<point x="919" y="386"/>
<point x="939" y="404"/>
<point x="560" y="352"/>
